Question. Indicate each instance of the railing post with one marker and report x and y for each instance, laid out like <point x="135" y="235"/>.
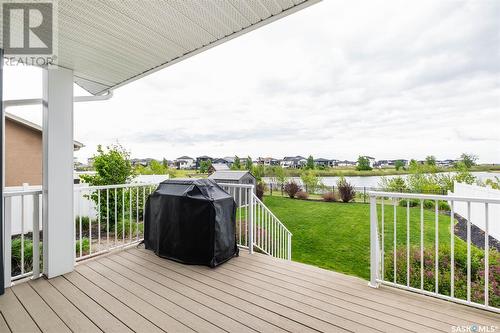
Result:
<point x="374" y="262"/>
<point x="251" y="218"/>
<point x="289" y="244"/>
<point x="7" y="241"/>
<point x="36" y="237"/>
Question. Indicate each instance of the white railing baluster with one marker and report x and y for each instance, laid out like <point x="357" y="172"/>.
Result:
<point x="486" y="255"/>
<point x="468" y="251"/>
<point x="36" y="236"/>
<point x="107" y="217"/>
<point x="422" y="244"/>
<point x="80" y="228"/>
<point x="452" y="250"/>
<point x="407" y="243"/>
<point x="137" y="213"/>
<point x="395" y="241"/>
<point x="123" y="215"/>
<point x="439" y="262"/>
<point x="99" y="219"/>
<point x="436" y="255"/>
<point x="130" y="211"/>
<point x="23" y="222"/>
<point x="116" y="216"/>
<point x="90" y="221"/>
<point x="382" y="266"/>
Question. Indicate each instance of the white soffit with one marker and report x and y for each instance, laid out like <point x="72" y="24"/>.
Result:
<point x="109" y="43"/>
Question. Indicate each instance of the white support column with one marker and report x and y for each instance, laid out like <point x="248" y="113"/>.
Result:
<point x="58" y="220"/>
<point x="374" y="247"/>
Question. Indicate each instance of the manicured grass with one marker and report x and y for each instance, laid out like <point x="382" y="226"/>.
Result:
<point x="336" y="236"/>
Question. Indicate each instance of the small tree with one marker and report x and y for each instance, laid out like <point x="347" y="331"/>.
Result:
<point x="346" y="190"/>
<point x="468" y="160"/>
<point x="113" y="167"/>
<point x="363" y="164"/>
<point x="310" y="180"/>
<point x="291" y="188"/>
<point x="430" y="160"/>
<point x="205" y="165"/>
<point x="248" y="163"/>
<point x="236" y="164"/>
<point x="399" y="165"/>
<point x="310" y="163"/>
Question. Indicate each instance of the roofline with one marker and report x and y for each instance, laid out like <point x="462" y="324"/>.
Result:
<point x="76" y="144"/>
<point x="252" y="27"/>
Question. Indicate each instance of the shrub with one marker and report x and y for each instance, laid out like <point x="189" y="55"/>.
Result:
<point x="310" y="180"/>
<point x="444" y="206"/>
<point x="329" y="197"/>
<point x="413" y="202"/>
<point x="346" y="190"/>
<point x="260" y="189"/>
<point x="126" y="227"/>
<point x="85" y="246"/>
<point x="444" y="280"/>
<point x="302" y="195"/>
<point x="291" y="189"/>
<point x="28" y="254"/>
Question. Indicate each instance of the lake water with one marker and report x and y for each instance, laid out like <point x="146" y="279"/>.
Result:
<point x="374" y="181"/>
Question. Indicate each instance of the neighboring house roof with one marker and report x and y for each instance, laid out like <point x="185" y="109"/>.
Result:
<point x="229" y="175"/>
<point x="293" y="158"/>
<point x="204" y="157"/>
<point x="26" y="123"/>
<point x="185" y="158"/>
<point x="219" y="166"/>
<point x="321" y="160"/>
<point x="230" y="159"/>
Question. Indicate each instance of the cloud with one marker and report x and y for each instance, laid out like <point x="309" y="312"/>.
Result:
<point x="390" y="79"/>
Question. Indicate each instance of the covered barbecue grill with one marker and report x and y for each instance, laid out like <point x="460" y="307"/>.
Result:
<point x="191" y="221"/>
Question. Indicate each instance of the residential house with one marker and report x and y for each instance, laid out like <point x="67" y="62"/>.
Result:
<point x="184" y="162"/>
<point x="23" y="151"/>
<point x="268" y="161"/>
<point x="293" y="162"/>
<point x="202" y="158"/>
<point x="233" y="177"/>
<point x="323" y="162"/>
<point x="346" y="163"/>
<point x="141" y="161"/>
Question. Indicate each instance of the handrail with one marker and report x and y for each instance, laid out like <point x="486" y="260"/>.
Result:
<point x="21" y="193"/>
<point x="272" y="214"/>
<point x="432" y="197"/>
<point x="111" y="187"/>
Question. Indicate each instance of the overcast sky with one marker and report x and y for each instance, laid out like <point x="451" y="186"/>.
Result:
<point x="390" y="79"/>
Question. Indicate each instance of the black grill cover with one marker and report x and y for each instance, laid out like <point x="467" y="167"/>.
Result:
<point x="192" y="222"/>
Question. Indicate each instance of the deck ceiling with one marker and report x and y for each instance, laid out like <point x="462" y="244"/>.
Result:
<point x="110" y="43"/>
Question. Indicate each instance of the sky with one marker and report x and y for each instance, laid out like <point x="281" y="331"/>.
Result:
<point x="389" y="79"/>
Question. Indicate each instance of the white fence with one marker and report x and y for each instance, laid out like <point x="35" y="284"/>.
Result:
<point x="477" y="214"/>
<point x="410" y="240"/>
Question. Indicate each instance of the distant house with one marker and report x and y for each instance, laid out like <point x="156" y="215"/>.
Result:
<point x="346" y="163"/>
<point x="293" y="162"/>
<point x="446" y="163"/>
<point x="323" y="162"/>
<point x="141" y="161"/>
<point x="217" y="167"/>
<point x="268" y="161"/>
<point x="203" y="158"/>
<point x="233" y="177"/>
<point x="24" y="151"/>
<point x="184" y="162"/>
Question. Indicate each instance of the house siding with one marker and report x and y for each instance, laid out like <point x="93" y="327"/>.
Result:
<point x="23" y="155"/>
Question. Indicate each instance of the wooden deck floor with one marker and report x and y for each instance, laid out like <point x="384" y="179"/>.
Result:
<point x="134" y="290"/>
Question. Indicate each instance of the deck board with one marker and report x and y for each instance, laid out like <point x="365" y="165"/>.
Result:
<point x="135" y="291"/>
<point x="71" y="315"/>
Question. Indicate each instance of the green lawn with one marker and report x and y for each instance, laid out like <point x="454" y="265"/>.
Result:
<point x="337" y="235"/>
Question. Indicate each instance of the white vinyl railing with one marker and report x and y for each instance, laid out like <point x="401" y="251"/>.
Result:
<point x="21" y="232"/>
<point x="418" y="249"/>
<point x="112" y="216"/>
<point x="257" y="225"/>
<point x="109" y="217"/>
